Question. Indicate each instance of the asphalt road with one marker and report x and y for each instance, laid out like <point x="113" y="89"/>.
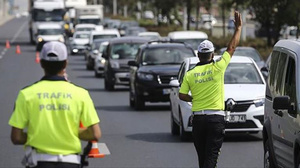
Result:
<point x="135" y="139"/>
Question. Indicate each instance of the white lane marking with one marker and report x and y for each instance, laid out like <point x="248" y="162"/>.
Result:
<point x="103" y="149"/>
<point x="13" y="39"/>
<point x="19" y="31"/>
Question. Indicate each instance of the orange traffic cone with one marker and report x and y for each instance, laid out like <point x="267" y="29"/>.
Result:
<point x="37" y="57"/>
<point x="18" y="50"/>
<point x="7" y="45"/>
<point x="94" y="152"/>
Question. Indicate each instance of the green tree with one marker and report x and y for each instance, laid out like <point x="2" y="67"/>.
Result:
<point x="273" y="14"/>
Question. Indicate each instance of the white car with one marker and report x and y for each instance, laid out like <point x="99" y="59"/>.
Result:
<point x="103" y="34"/>
<point x="151" y="35"/>
<point x="99" y="61"/>
<point x="244" y="83"/>
<point x="50" y="32"/>
<point x="193" y="38"/>
<point x="79" y="41"/>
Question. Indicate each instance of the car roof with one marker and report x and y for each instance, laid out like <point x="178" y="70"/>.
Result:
<point x="148" y="33"/>
<point x="187" y="35"/>
<point x="291" y="44"/>
<point x="85" y="25"/>
<point x="234" y="59"/>
<point x="49" y="26"/>
<point x="129" y="39"/>
<point x="105" y="31"/>
<point x="155" y="44"/>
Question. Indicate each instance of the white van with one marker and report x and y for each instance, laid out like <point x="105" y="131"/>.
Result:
<point x="194" y="38"/>
<point x="281" y="130"/>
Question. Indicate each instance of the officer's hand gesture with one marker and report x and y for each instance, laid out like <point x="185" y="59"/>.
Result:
<point x="237" y="20"/>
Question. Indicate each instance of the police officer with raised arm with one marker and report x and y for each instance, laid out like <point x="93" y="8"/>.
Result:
<point x="206" y="84"/>
<point x="48" y="113"/>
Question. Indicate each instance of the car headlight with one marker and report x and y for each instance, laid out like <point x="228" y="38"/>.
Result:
<point x="145" y="76"/>
<point x="102" y="61"/>
<point x="259" y="102"/>
<point x="40" y="39"/>
<point x="115" y="65"/>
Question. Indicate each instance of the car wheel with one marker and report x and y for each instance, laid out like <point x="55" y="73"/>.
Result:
<point x="98" y="75"/>
<point x="174" y="126"/>
<point x="131" y="97"/>
<point x="108" y="85"/>
<point x="139" y="103"/>
<point x="268" y="159"/>
<point x="184" y="136"/>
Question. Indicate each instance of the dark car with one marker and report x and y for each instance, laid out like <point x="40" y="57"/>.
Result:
<point x="119" y="52"/>
<point x="156" y="64"/>
<point x="93" y="53"/>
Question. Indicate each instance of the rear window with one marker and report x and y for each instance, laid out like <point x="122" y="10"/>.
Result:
<point x="124" y="50"/>
<point x="168" y="55"/>
<point x="104" y="36"/>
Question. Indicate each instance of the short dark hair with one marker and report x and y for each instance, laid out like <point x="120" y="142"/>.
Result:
<point x="53" y="67"/>
<point x="204" y="56"/>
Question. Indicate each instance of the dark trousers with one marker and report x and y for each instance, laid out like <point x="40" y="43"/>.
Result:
<point x="208" y="135"/>
<point x="56" y="165"/>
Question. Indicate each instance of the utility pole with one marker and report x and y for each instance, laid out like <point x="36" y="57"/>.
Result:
<point x="115" y="7"/>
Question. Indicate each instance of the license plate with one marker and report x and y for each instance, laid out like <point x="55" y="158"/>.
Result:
<point x="166" y="91"/>
<point x="237" y="118"/>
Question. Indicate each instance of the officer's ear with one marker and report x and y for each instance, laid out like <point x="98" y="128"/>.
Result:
<point x="65" y="64"/>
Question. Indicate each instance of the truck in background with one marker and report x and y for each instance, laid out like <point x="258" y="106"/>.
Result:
<point x="92" y="14"/>
<point x="45" y="11"/>
<point x="70" y="14"/>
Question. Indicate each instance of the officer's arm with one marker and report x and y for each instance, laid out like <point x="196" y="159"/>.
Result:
<point x="185" y="97"/>
<point x="18" y="136"/>
<point x="237" y="33"/>
<point x="91" y="133"/>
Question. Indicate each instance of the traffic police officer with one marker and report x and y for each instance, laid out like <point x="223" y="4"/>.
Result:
<point x="206" y="83"/>
<point x="51" y="111"/>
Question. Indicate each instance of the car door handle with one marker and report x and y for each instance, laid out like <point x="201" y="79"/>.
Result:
<point x="278" y="112"/>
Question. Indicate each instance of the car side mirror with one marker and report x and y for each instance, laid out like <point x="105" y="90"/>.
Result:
<point x="281" y="103"/>
<point x="70" y="38"/>
<point x="132" y="63"/>
<point x="174" y="83"/>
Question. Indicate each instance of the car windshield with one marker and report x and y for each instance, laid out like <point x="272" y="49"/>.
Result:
<point x="96" y="45"/>
<point x="92" y="21"/>
<point x="193" y="42"/>
<point x="81" y="36"/>
<point x="41" y="15"/>
<point x="85" y="29"/>
<point x="169" y="55"/>
<point x="50" y="31"/>
<point x="125" y="50"/>
<point x="240" y="73"/>
<point x="104" y="36"/>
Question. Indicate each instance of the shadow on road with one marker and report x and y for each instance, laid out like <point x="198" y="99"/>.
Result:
<point x="114" y="108"/>
<point x="242" y="137"/>
<point x="156" y="137"/>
